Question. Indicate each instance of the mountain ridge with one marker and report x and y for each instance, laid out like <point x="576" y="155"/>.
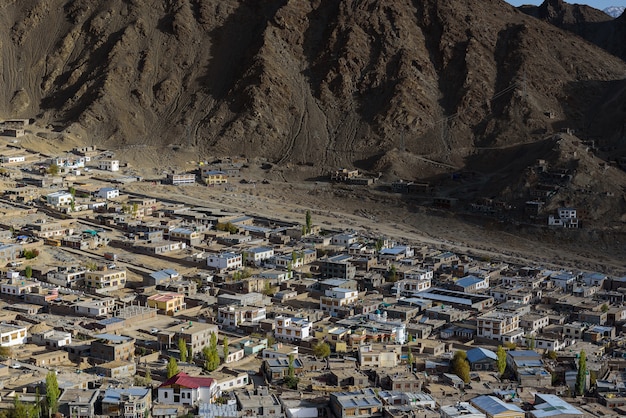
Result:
<point x="324" y="83"/>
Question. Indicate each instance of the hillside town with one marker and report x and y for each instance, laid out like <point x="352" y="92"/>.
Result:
<point x="116" y="304"/>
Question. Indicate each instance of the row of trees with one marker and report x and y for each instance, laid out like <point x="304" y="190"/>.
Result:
<point x="49" y="407"/>
<point x="210" y="354"/>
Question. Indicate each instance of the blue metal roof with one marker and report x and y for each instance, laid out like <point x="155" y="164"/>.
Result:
<point x="468" y="281"/>
<point x="493" y="406"/>
<point x="478" y="354"/>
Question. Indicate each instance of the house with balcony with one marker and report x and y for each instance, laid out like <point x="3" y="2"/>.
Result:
<point x="500" y="325"/>
<point x="291" y="328"/>
<point x="233" y="316"/>
<point x="69" y="277"/>
<point x="106" y="280"/>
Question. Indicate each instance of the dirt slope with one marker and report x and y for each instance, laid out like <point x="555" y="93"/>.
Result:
<point x="322" y="82"/>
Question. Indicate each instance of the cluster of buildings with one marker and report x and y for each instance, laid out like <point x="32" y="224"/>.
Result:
<point x="309" y="322"/>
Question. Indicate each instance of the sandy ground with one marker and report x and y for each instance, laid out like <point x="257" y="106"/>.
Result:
<point x="383" y="214"/>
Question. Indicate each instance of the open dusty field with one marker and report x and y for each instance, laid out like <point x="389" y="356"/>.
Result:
<point x="382" y="214"/>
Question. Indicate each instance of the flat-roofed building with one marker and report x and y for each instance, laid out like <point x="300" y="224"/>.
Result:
<point x="167" y="303"/>
<point x="339" y="266"/>
<point x="461" y="409"/>
<point x="495" y="325"/>
<point x="336" y="298"/>
<point x="291" y="329"/>
<point x="225" y="261"/>
<point x="196" y="335"/>
<point x="110" y="279"/>
<point x="110" y="347"/>
<point x="458" y="299"/>
<point x="12" y="335"/>
<point x="359" y="403"/>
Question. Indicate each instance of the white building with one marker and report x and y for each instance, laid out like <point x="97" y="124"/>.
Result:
<point x="109" y="165"/>
<point x="378" y="355"/>
<point x="12" y="335"/>
<point x="183" y="389"/>
<point x="407" y="287"/>
<point x="53" y="338"/>
<point x="9" y="159"/>
<point x="59" y="199"/>
<point x="258" y="254"/>
<point x="95" y="308"/>
<point x="230" y="379"/>
<point x="337" y="297"/>
<point x="344" y="239"/>
<point x="225" y="261"/>
<point x="18" y="285"/>
<point x="291" y="329"/>
<point x="566" y="218"/>
<point x="233" y="316"/>
<point x="67" y="277"/>
<point x="108" y="193"/>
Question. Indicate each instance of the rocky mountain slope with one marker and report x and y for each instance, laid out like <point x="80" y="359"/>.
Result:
<point x="594" y="25"/>
<point x="410" y="87"/>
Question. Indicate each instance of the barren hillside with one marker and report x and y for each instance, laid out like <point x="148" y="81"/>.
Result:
<point x="322" y="83"/>
<point x="591" y="24"/>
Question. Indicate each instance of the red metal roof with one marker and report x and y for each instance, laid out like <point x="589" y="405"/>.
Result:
<point x="184" y="380"/>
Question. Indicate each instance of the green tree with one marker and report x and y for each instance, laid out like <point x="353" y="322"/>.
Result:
<point x="291" y="381"/>
<point x="53" y="169"/>
<point x="148" y="377"/>
<point x="552" y="355"/>
<point x="379" y="244"/>
<point x="308" y="221"/>
<point x="182" y="347"/>
<point x="581" y="376"/>
<point x="28" y="272"/>
<point x="605" y="308"/>
<point x="20" y="410"/>
<point x="410" y="359"/>
<point x="321" y="349"/>
<point x="460" y="365"/>
<point x="225" y="349"/>
<point x="501" y="360"/>
<point x="172" y="367"/>
<point x="267" y="288"/>
<point x="392" y="277"/>
<point x="5" y="352"/>
<point x="303" y="232"/>
<point x="531" y="345"/>
<point x="72" y="191"/>
<point x="52" y="393"/>
<point x="211" y="356"/>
